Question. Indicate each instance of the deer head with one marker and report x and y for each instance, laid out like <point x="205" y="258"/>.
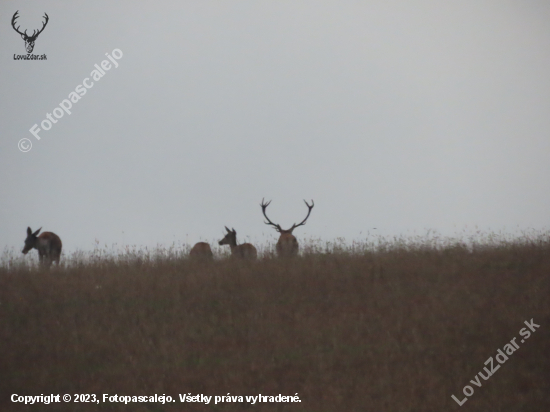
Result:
<point x="230" y="238"/>
<point x="29" y="40"/>
<point x="31" y="240"/>
<point x="287" y="245"/>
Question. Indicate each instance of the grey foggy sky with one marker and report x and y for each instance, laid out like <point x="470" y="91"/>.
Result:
<point x="399" y="115"/>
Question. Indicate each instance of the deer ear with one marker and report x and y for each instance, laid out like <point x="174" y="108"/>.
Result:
<point x="234" y="231"/>
<point x="37" y="232"/>
<point x="29" y="231"/>
<point x="228" y="231"/>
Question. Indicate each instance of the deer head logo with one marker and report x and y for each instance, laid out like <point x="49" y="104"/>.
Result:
<point x="29" y="40"/>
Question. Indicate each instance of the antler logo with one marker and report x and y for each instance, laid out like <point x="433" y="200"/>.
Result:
<point x="29" y="40"/>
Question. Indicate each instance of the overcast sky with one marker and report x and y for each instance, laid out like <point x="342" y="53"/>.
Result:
<point x="397" y="115"/>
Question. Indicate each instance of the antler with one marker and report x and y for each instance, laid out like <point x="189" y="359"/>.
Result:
<point x="269" y="222"/>
<point x="34" y="33"/>
<point x="43" y="26"/>
<point x="294" y="226"/>
<point x="15" y="16"/>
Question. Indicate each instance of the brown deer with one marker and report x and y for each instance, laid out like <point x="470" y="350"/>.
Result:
<point x="48" y="245"/>
<point x="287" y="245"/>
<point x="201" y="251"/>
<point x="29" y="40"/>
<point x="244" y="251"/>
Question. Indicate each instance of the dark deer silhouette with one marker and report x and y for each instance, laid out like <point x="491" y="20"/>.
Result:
<point x="287" y="245"/>
<point x="48" y="245"/>
<point x="244" y="251"/>
<point x="29" y="40"/>
<point x="201" y="251"/>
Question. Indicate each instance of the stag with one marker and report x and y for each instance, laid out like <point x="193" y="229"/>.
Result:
<point x="201" y="251"/>
<point x="48" y="245"/>
<point x="29" y="40"/>
<point x="287" y="245"/>
<point x="244" y="251"/>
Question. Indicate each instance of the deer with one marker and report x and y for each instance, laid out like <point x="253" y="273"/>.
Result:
<point x="201" y="251"/>
<point x="48" y="245"/>
<point x="244" y="251"/>
<point x="29" y="40"/>
<point x="287" y="245"/>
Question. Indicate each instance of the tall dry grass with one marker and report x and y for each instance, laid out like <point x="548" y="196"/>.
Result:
<point x="387" y="325"/>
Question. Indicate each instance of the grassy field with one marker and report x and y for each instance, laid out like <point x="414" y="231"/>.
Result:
<point x="399" y="327"/>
